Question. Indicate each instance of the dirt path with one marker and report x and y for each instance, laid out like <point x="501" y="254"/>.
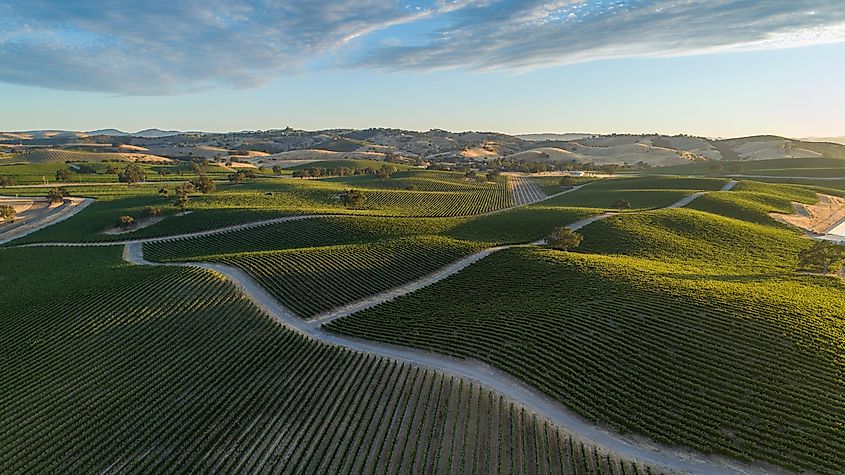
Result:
<point x="40" y="220"/>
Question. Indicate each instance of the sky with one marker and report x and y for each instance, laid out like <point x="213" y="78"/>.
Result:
<point x="718" y="68"/>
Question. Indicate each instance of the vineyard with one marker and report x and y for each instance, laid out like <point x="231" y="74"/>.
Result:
<point x="417" y="180"/>
<point x="76" y="156"/>
<point x="519" y="225"/>
<point x="676" y="236"/>
<point x="747" y="367"/>
<point x="171" y="369"/>
<point x="640" y="192"/>
<point x="317" y="232"/>
<point x="314" y="280"/>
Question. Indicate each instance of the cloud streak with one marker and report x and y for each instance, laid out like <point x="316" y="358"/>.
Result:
<point x="169" y="47"/>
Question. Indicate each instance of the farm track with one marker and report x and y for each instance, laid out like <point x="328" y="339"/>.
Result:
<point x="68" y="208"/>
<point x="638" y="449"/>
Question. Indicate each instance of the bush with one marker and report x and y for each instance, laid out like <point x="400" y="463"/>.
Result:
<point x="8" y="213"/>
<point x="353" y="198"/>
<point x="125" y="222"/>
<point x="151" y="212"/>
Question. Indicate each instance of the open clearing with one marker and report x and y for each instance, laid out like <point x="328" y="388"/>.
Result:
<point x="820" y="218"/>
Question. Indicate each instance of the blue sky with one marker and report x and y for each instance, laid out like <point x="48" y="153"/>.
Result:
<point x="715" y="68"/>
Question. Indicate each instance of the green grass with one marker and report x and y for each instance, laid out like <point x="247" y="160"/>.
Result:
<point x="749" y="366"/>
<point x="160" y="370"/>
<point x="314" y="280"/>
<point x="316" y="232"/>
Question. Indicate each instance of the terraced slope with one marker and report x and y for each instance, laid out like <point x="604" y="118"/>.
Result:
<point x="711" y="347"/>
<point x="171" y="369"/>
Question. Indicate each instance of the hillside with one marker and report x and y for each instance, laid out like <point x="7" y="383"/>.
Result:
<point x="73" y="156"/>
<point x="441" y="146"/>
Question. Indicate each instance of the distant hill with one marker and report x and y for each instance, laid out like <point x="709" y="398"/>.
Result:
<point x="840" y="140"/>
<point x="438" y="146"/>
<point x="543" y="137"/>
<point x="146" y="133"/>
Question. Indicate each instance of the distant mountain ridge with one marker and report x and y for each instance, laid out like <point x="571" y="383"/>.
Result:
<point x="146" y="133"/>
<point x="437" y="146"/>
<point x="840" y="140"/>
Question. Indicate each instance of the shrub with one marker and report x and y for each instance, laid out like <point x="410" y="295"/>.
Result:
<point x="125" y="222"/>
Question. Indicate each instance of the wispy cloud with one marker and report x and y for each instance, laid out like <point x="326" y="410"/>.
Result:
<point x="166" y="47"/>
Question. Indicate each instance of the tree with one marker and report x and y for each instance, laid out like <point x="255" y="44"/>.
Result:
<point x="385" y="171"/>
<point x="163" y="191"/>
<point x="469" y="175"/>
<point x="6" y="180"/>
<point x="8" y="213"/>
<point x="237" y="177"/>
<point x="621" y="204"/>
<point x="492" y="175"/>
<point x="125" y="222"/>
<point x="56" y="195"/>
<point x="567" y="181"/>
<point x="62" y="174"/>
<point x="203" y="184"/>
<point x="182" y="191"/>
<point x="151" y="212"/>
<point x="86" y="169"/>
<point x="353" y="198"/>
<point x="111" y="169"/>
<point x="823" y="257"/>
<point x="131" y="174"/>
<point x="563" y="239"/>
<point x="277" y="170"/>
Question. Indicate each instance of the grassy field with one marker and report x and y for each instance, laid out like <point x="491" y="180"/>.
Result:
<point x="127" y="369"/>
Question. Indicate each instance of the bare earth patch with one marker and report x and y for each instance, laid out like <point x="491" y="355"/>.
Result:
<point x="139" y="224"/>
<point x="819" y="218"/>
